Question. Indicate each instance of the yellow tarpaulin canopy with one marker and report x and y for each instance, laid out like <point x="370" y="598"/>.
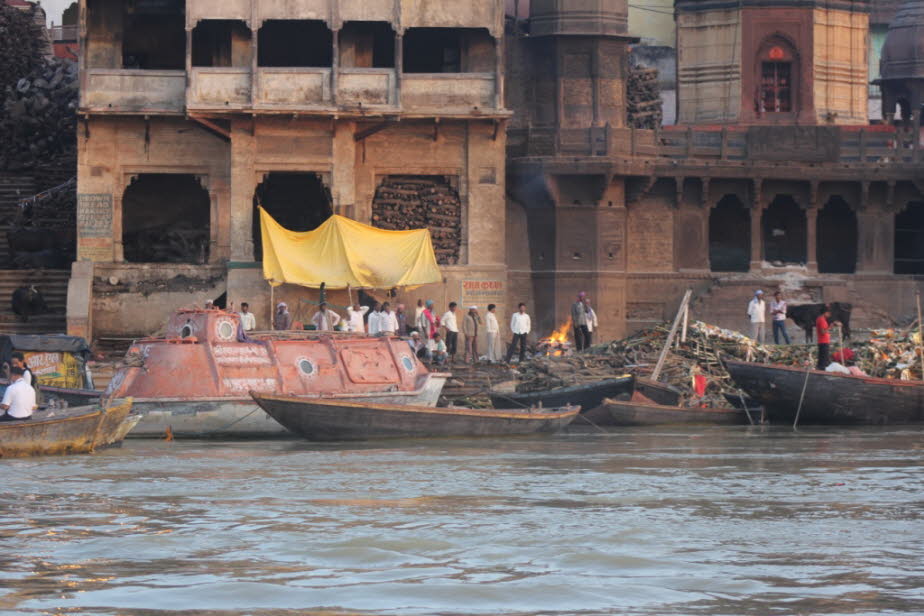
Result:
<point x="344" y="253"/>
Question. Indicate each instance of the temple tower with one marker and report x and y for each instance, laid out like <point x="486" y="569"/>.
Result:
<point x="773" y="61"/>
<point x="902" y="64"/>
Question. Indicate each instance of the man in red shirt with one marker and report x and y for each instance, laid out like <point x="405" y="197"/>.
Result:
<point x="823" y="333"/>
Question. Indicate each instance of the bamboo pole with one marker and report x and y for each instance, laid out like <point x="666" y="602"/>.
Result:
<point x="670" y="336"/>
<point x="272" y="311"/>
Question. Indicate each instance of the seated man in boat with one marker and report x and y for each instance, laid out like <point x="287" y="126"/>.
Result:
<point x="418" y="346"/>
<point x="19" y="399"/>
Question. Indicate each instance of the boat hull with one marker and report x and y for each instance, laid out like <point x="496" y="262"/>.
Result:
<point x="243" y="418"/>
<point x="830" y="398"/>
<point x="319" y="420"/>
<point x="66" y="431"/>
<point x="588" y="396"/>
<point x="644" y="414"/>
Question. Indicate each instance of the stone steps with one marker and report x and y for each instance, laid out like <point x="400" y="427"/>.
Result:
<point x="53" y="286"/>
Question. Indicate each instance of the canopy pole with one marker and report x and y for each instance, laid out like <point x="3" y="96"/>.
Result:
<point x="350" y="295"/>
<point x="272" y="305"/>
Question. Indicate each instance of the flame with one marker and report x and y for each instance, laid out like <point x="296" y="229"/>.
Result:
<point x="560" y="335"/>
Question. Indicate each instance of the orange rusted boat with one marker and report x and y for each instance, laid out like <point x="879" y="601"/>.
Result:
<point x="196" y="380"/>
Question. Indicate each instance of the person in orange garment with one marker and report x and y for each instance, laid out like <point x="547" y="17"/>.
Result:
<point x="823" y="335"/>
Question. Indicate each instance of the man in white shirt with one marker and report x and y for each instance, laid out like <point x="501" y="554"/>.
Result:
<point x="388" y="321"/>
<point x="451" y="326"/>
<point x="375" y="320"/>
<point x="19" y="399"/>
<point x="248" y="321"/>
<point x="355" y="318"/>
<point x="325" y="320"/>
<point x="492" y="329"/>
<point x="778" y="310"/>
<point x="757" y="316"/>
<point x="520" y="325"/>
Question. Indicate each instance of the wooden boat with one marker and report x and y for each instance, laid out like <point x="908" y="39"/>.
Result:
<point x="325" y="420"/>
<point x="830" y="398"/>
<point x="638" y="413"/>
<point x="588" y="396"/>
<point x="195" y="380"/>
<point x="657" y="392"/>
<point x="80" y="429"/>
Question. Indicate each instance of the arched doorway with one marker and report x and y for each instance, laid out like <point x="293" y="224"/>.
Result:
<point x="297" y="201"/>
<point x="165" y="219"/>
<point x="837" y="238"/>
<point x="729" y="236"/>
<point x="909" y="239"/>
<point x="784" y="225"/>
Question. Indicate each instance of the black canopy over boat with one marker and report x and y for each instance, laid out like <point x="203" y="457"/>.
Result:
<point x="588" y="396"/>
<point x="80" y="429"/>
<point x="325" y="420"/>
<point x="829" y="398"/>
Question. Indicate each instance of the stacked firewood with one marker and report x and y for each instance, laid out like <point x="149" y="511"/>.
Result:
<point x="411" y="202"/>
<point x="38" y="120"/>
<point x="21" y="44"/>
<point x="644" y="98"/>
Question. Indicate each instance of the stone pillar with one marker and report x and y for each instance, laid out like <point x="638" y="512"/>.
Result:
<point x="811" y="238"/>
<point x="80" y="300"/>
<point x="757" y="237"/>
<point x="876" y="241"/>
<point x="343" y="180"/>
<point x="243" y="185"/>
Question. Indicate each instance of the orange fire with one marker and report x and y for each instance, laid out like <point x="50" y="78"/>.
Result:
<point x="560" y="335"/>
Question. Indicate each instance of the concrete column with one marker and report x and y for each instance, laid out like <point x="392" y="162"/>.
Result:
<point x="243" y="185"/>
<point x="757" y="237"/>
<point x="811" y="238"/>
<point x="80" y="300"/>
<point x="118" y="249"/>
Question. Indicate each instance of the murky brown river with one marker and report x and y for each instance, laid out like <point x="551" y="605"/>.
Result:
<point x="700" y="521"/>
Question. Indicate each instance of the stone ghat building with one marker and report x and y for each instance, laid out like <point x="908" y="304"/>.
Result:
<point x="507" y="136"/>
<point x="772" y="178"/>
<point x="195" y="112"/>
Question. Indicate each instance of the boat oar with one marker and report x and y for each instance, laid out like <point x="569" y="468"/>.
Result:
<point x="808" y="371"/>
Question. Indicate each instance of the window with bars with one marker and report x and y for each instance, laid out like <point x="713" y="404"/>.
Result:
<point x="775" y="87"/>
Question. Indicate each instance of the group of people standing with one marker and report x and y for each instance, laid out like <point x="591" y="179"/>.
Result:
<point x="584" y="321"/>
<point x="757" y="311"/>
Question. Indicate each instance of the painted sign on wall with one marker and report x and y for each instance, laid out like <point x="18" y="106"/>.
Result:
<point x="483" y="292"/>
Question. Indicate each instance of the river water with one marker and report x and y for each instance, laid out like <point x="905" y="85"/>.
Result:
<point x="738" y="521"/>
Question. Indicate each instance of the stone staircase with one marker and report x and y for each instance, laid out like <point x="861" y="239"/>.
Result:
<point x="53" y="286"/>
<point x="13" y="188"/>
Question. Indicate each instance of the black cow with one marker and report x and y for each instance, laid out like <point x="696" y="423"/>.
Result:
<point x="27" y="301"/>
<point x="805" y="316"/>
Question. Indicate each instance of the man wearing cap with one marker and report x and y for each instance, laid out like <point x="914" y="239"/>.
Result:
<point x="470" y="326"/>
<point x="579" y="322"/>
<point x="757" y="316"/>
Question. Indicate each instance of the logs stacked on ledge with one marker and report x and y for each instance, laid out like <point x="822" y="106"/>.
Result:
<point x="644" y="98"/>
<point x="422" y="202"/>
<point x="38" y="120"/>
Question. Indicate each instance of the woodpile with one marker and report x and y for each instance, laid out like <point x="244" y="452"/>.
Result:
<point x="38" y="123"/>
<point x="21" y="46"/>
<point x="413" y="202"/>
<point x="644" y="98"/>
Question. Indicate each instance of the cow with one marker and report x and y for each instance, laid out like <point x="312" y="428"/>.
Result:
<point x="805" y="316"/>
<point x="27" y="301"/>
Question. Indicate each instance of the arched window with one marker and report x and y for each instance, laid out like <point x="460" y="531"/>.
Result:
<point x="730" y="236"/>
<point x="777" y="77"/>
<point x="909" y="239"/>
<point x="784" y="232"/>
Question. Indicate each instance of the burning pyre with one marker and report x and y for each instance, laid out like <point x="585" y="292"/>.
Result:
<point x="556" y="344"/>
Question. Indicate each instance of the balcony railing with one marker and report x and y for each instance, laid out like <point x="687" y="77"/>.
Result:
<point x="292" y="88"/>
<point x="777" y="144"/>
<point x="366" y="86"/>
<point x="455" y="92"/>
<point x="219" y="88"/>
<point x="133" y="90"/>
